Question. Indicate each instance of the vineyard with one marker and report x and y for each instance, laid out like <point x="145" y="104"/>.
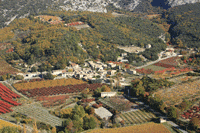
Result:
<point x="7" y="101"/>
<point x="137" y="117"/>
<point x="39" y="113"/>
<point x="52" y="100"/>
<point x="177" y="93"/>
<point x="47" y="83"/>
<point x="168" y="63"/>
<point x="143" y="128"/>
<point x="47" y="91"/>
<point x="117" y="103"/>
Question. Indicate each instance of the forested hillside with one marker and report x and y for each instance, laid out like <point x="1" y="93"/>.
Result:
<point x="185" y="26"/>
<point x="41" y="41"/>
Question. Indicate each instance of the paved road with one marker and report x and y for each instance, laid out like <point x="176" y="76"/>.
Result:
<point x="177" y="126"/>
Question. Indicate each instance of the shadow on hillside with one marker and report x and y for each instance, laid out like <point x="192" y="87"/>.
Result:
<point x="160" y="3"/>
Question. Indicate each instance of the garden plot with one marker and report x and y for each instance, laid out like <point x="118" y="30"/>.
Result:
<point x="137" y="117"/>
<point x="118" y="103"/>
<point x="39" y="113"/>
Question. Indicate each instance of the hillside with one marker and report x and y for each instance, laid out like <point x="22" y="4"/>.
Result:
<point x="56" y="43"/>
<point x="185" y="26"/>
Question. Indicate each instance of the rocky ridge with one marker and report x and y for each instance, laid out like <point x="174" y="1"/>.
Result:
<point x="11" y="9"/>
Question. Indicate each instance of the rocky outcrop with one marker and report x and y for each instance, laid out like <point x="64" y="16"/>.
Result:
<point x="181" y="2"/>
<point x="10" y="8"/>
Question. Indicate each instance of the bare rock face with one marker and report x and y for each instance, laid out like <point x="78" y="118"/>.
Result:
<point x="181" y="2"/>
<point x="11" y="9"/>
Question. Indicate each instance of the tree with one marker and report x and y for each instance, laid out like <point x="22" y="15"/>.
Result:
<point x="3" y="78"/>
<point x="91" y="110"/>
<point x="105" y="88"/>
<point x="19" y="77"/>
<point x="78" y="110"/>
<point x="172" y="113"/>
<point x="53" y="130"/>
<point x="35" y="130"/>
<point x="33" y="69"/>
<point x="92" y="123"/>
<point x="48" y="76"/>
<point x="89" y="123"/>
<point x="24" y="128"/>
<point x="194" y="122"/>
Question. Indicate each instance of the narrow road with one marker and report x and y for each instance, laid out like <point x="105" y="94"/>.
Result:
<point x="177" y="126"/>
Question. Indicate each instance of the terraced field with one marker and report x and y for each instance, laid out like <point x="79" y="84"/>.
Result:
<point x="137" y="117"/>
<point x="39" y="113"/>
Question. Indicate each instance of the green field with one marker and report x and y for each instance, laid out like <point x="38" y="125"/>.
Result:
<point x="154" y="68"/>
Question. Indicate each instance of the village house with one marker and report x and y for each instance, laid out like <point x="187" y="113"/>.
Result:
<point x="57" y="72"/>
<point x="124" y="60"/>
<point x="111" y="65"/>
<point x="123" y="54"/>
<point x="131" y="71"/>
<point x="119" y="58"/>
<point x="148" y="46"/>
<point x="111" y="72"/>
<point x="74" y="65"/>
<point x="119" y="67"/>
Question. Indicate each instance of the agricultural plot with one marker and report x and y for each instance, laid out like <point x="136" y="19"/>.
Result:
<point x="118" y="103"/>
<point x="168" y="63"/>
<point x="47" y="83"/>
<point x="192" y="112"/>
<point x="39" y="113"/>
<point x="143" y="128"/>
<point x="48" y="91"/>
<point x="7" y="99"/>
<point x="6" y="68"/>
<point x="52" y="100"/>
<point x="177" y="93"/>
<point x="154" y="68"/>
<point x="137" y="117"/>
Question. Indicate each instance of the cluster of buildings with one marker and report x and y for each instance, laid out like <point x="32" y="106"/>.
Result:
<point x="95" y="72"/>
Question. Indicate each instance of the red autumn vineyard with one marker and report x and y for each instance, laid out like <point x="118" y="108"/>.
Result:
<point x="7" y="101"/>
<point x="47" y="91"/>
<point x="173" y="71"/>
<point x="170" y="62"/>
<point x="53" y="100"/>
<point x="87" y="100"/>
<point x="192" y="112"/>
<point x="74" y="24"/>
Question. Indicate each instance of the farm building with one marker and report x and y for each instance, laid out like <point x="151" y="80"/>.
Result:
<point x="103" y="113"/>
<point x="108" y="94"/>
